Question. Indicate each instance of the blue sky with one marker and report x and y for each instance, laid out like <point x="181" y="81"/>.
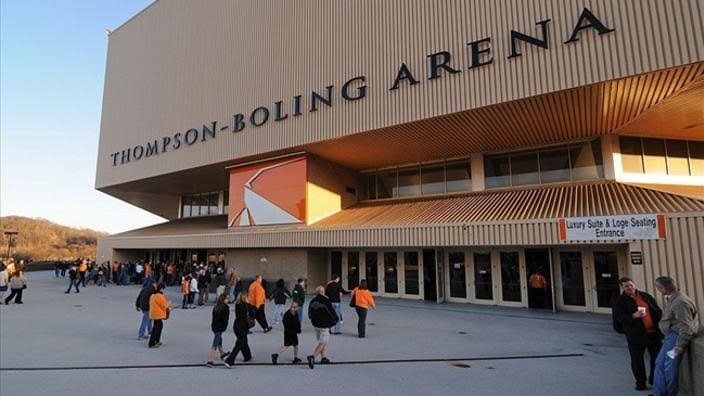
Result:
<point x="52" y="66"/>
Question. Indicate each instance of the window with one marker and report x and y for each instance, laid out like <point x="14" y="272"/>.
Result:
<point x="577" y="161"/>
<point x="386" y="185"/>
<point x="186" y="206"/>
<point x="631" y="154"/>
<point x="200" y="204"/>
<point x="371" y="186"/>
<point x="662" y="156"/>
<point x="696" y="158"/>
<point x="497" y="171"/>
<point x="677" y="157"/>
<point x="554" y="165"/>
<point x="458" y="176"/>
<point x="408" y="182"/>
<point x="226" y="202"/>
<point x="654" y="155"/>
<point x="586" y="161"/>
<point x="432" y="179"/>
<point x="524" y="169"/>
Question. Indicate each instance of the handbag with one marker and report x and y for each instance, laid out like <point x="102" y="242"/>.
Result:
<point x="250" y="322"/>
<point x="168" y="313"/>
<point x="353" y="302"/>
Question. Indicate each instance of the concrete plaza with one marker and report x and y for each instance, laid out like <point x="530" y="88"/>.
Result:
<point x="87" y="343"/>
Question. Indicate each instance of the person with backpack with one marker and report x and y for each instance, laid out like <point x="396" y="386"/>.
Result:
<point x="362" y="299"/>
<point x="221" y="317"/>
<point x="243" y="322"/>
<point x="299" y="297"/>
<point x="159" y="307"/>
<point x="334" y="291"/>
<point x="279" y="297"/>
<point x="322" y="317"/>
<point x="142" y="305"/>
<point x="292" y="328"/>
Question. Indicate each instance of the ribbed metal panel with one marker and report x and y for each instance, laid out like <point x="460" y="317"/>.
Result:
<point x="181" y="63"/>
<point x="680" y="256"/>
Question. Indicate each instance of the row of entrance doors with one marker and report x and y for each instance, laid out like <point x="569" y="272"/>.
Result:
<point x="574" y="280"/>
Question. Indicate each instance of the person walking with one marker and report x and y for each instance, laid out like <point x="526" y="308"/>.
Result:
<point x="73" y="279"/>
<point x="322" y="317"/>
<point x="17" y="285"/>
<point x="205" y="290"/>
<point x="232" y="280"/>
<point x="243" y="322"/>
<point x="185" y="290"/>
<point x="82" y="269"/>
<point x="334" y="291"/>
<point x="362" y="299"/>
<point x="636" y="314"/>
<point x="279" y="297"/>
<point x="202" y="287"/>
<point x="679" y="324"/>
<point x="192" y="290"/>
<point x="220" y="283"/>
<point x="299" y="297"/>
<point x="170" y="270"/>
<point x="292" y="328"/>
<point x="4" y="281"/>
<point x="159" y="307"/>
<point x="221" y="317"/>
<point x="257" y="299"/>
<point x="142" y="304"/>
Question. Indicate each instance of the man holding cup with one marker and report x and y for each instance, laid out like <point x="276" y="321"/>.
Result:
<point x="636" y="314"/>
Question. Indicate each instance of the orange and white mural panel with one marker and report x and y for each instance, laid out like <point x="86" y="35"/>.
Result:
<point x="272" y="192"/>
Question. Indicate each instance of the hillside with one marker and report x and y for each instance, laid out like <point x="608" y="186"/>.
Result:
<point x="40" y="239"/>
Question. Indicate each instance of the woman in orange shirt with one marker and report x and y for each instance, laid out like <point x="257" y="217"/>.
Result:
<point x="363" y="299"/>
<point x="159" y="307"/>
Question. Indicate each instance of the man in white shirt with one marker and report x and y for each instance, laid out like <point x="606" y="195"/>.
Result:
<point x="192" y="290"/>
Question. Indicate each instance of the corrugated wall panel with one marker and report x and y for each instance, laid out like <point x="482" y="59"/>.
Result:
<point x="180" y="64"/>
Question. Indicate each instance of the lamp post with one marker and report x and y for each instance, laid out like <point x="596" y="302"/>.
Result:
<point x="9" y="234"/>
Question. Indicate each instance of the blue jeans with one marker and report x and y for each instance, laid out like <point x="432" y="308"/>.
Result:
<point x="73" y="283"/>
<point x="145" y="325"/>
<point x="338" y="311"/>
<point x="299" y="313"/>
<point x="667" y="370"/>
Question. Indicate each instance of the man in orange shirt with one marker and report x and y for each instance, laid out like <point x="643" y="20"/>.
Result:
<point x="257" y="299"/>
<point x="636" y="314"/>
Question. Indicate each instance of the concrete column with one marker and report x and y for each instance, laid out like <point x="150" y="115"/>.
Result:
<point x="611" y="154"/>
<point x="477" y="169"/>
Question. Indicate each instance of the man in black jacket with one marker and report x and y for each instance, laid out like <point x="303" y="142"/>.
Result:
<point x="334" y="291"/>
<point x="142" y="304"/>
<point x="636" y="314"/>
<point x="322" y="316"/>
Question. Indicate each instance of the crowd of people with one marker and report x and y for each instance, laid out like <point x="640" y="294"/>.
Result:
<point x="324" y="311"/>
<point x="664" y="334"/>
<point x="12" y="277"/>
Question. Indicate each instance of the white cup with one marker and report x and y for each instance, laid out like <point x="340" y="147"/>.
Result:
<point x="671" y="354"/>
<point x="641" y="310"/>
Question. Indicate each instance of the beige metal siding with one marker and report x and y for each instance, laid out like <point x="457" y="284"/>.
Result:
<point x="680" y="256"/>
<point x="182" y="63"/>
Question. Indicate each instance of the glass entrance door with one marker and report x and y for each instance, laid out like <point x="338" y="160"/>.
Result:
<point x="390" y="273"/>
<point x="352" y="270"/>
<point x="483" y="283"/>
<point x="411" y="273"/>
<point x="458" y="281"/>
<point x="539" y="279"/>
<point x="335" y="264"/>
<point x="429" y="290"/>
<point x="510" y="277"/>
<point x="572" y="277"/>
<point x="606" y="278"/>
<point x="372" y="270"/>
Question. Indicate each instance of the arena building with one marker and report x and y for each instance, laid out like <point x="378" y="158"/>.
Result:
<point x="517" y="153"/>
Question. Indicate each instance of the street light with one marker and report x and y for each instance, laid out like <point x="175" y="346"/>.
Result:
<point x="9" y="234"/>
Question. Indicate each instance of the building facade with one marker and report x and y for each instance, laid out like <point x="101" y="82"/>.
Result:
<point x="493" y="152"/>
